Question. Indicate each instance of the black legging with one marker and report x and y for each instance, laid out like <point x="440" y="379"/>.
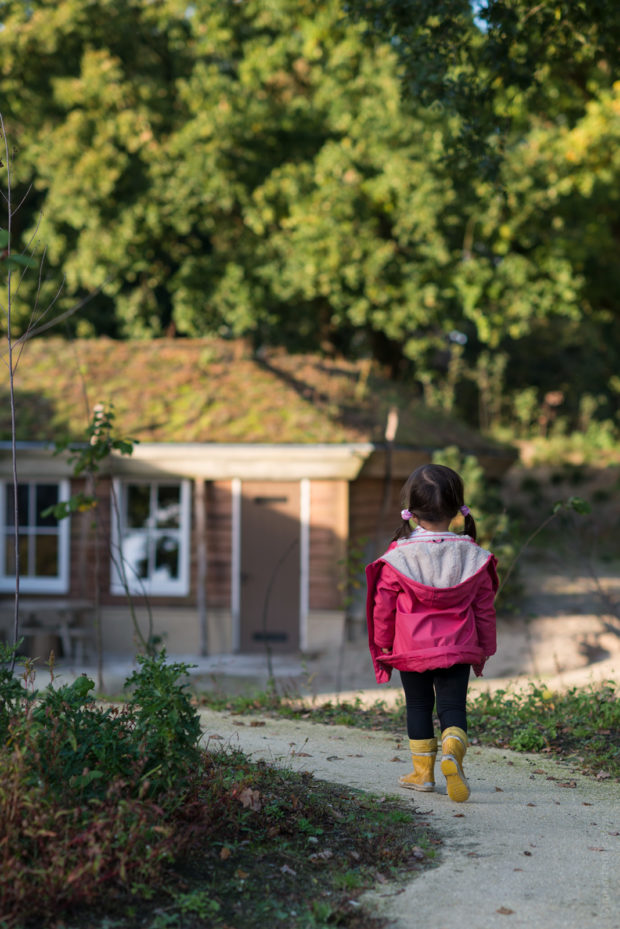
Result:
<point x="445" y="686"/>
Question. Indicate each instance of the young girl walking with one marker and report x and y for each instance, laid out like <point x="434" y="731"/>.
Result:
<point x="431" y="616"/>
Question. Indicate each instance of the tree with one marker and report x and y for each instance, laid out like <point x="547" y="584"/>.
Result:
<point x="256" y="170"/>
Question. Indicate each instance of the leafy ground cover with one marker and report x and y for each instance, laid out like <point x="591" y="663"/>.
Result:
<point x="115" y="817"/>
<point x="581" y="724"/>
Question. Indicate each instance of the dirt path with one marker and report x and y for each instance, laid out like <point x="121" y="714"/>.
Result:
<point x="536" y="845"/>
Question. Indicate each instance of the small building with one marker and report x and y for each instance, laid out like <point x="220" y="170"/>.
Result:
<point x="258" y="487"/>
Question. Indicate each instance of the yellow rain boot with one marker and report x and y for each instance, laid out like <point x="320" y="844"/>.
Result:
<point x="423" y="753"/>
<point x="453" y="747"/>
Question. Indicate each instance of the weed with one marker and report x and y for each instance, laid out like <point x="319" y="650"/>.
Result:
<point x="582" y="723"/>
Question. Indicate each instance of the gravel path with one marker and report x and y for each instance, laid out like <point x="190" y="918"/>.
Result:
<point x="537" y="845"/>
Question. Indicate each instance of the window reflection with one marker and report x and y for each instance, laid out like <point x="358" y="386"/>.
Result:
<point x="167" y="558"/>
<point x="168" y="514"/>
<point x="135" y="555"/>
<point x="151" y="547"/>
<point x="138" y="505"/>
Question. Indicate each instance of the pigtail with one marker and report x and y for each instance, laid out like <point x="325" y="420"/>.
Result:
<point x="404" y="530"/>
<point x="470" y="526"/>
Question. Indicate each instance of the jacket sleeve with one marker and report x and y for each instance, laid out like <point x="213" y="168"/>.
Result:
<point x="384" y="607"/>
<point x="374" y="573"/>
<point x="484" y="609"/>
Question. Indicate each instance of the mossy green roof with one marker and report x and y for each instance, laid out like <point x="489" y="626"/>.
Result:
<point x="209" y="390"/>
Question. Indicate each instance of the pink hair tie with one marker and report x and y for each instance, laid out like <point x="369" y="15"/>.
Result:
<point x="406" y="514"/>
<point x="465" y="510"/>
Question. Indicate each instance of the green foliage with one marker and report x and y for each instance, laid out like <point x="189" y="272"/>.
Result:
<point x="581" y="723"/>
<point x="151" y="742"/>
<point x="165" y="723"/>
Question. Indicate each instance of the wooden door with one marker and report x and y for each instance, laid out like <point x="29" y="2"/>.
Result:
<point x="270" y="566"/>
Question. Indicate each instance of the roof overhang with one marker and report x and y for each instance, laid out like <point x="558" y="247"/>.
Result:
<point x="205" y="461"/>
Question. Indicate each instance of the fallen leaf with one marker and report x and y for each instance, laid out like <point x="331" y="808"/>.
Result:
<point x="241" y="875"/>
<point x="301" y="754"/>
<point x="504" y="911"/>
<point x="250" y="799"/>
<point x="498" y="790"/>
<point x="587" y="804"/>
<point x="459" y="815"/>
<point x="538" y="771"/>
<point x="529" y="854"/>
<point x="570" y="784"/>
<point x="395" y="758"/>
<point x="602" y="775"/>
<point x="256" y="723"/>
<point x="333" y="758"/>
<point x="593" y="849"/>
<point x="613" y="833"/>
<point x="225" y="853"/>
<point x="323" y="855"/>
<point x="530" y="804"/>
<point x="216" y="736"/>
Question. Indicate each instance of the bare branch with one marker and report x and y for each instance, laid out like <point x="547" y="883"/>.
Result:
<point x="22" y="201"/>
<point x="30" y="333"/>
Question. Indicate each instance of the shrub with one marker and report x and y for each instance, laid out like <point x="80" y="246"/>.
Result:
<point x="95" y="799"/>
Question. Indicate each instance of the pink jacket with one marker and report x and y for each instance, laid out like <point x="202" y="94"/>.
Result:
<point x="430" y="601"/>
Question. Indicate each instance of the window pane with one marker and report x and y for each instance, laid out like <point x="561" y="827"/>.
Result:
<point x="9" y="558"/>
<point x="22" y="504"/>
<point x="167" y="558"/>
<point x="46" y="555"/>
<point x="46" y="495"/>
<point x="138" y="506"/>
<point x="168" y="514"/>
<point x="135" y="555"/>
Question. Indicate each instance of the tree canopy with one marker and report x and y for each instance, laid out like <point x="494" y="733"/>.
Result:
<point x="424" y="182"/>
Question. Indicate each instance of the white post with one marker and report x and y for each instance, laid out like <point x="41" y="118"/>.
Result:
<point x="304" y="566"/>
<point x="235" y="593"/>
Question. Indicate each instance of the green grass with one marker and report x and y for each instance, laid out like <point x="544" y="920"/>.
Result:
<point x="580" y="724"/>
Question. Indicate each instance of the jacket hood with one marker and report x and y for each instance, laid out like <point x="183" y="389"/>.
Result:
<point x="439" y="567"/>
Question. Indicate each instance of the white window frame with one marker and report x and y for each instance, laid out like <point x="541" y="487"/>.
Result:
<point x="31" y="583"/>
<point x="178" y="587"/>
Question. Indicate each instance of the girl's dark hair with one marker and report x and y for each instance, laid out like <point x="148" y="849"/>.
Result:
<point x="433" y="493"/>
